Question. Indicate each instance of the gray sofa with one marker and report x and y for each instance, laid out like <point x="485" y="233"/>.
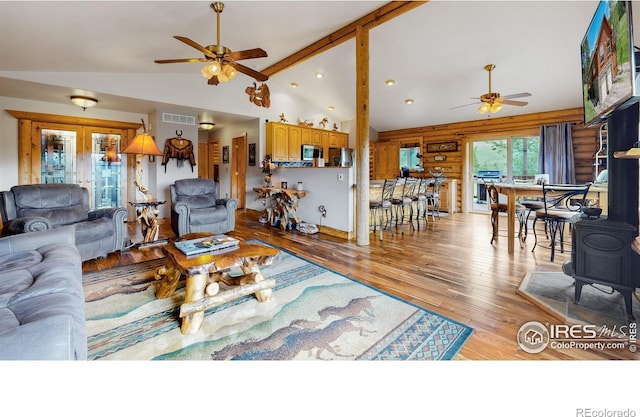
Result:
<point x="196" y="206"/>
<point x="36" y="207"/>
<point x="41" y="297"/>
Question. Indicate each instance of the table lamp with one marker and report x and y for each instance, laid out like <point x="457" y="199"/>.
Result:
<point x="143" y="144"/>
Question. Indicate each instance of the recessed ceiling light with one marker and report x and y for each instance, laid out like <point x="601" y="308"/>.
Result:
<point x="409" y="101"/>
<point x="332" y="108"/>
<point x="294" y="85"/>
<point x="390" y="82"/>
<point x="319" y="75"/>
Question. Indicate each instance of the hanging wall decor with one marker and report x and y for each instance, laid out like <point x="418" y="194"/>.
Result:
<point x="252" y="154"/>
<point x="225" y="154"/>
<point x="180" y="149"/>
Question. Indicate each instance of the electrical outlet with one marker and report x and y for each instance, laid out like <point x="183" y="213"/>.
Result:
<point x="341" y="177"/>
<point x="323" y="211"/>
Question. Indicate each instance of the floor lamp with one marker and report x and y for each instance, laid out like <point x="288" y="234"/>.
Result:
<point x="146" y="210"/>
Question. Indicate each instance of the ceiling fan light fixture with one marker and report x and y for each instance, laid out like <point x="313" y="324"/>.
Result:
<point x="211" y="69"/>
<point x="484" y="108"/>
<point x="84" y="102"/>
<point x="495" y="107"/>
<point x="229" y="71"/>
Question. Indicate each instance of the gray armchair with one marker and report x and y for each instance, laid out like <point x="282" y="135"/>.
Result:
<point x="196" y="207"/>
<point x="36" y="207"/>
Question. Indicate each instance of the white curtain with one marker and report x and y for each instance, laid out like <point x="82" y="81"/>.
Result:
<point x="556" y="154"/>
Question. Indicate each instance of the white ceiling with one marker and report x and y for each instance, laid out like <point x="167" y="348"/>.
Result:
<point x="435" y="53"/>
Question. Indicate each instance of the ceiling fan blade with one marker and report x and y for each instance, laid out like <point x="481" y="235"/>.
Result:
<point x="464" y="105"/>
<point x="518" y="95"/>
<point x="247" y="54"/>
<point x="174" y="61"/>
<point x="250" y="72"/>
<point x="196" y="46"/>
<point x="514" y="103"/>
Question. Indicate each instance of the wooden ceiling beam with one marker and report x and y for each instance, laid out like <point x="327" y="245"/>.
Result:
<point x="371" y="20"/>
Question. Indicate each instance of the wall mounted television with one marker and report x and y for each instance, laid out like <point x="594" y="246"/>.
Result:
<point x="608" y="62"/>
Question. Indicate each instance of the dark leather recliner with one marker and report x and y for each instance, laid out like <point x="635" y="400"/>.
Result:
<point x="35" y="207"/>
<point x="196" y="207"/>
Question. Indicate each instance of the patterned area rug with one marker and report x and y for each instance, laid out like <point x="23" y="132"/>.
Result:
<point x="315" y="314"/>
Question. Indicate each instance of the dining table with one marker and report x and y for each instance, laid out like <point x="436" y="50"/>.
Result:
<point x="597" y="194"/>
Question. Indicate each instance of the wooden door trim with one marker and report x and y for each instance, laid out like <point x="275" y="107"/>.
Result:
<point x="239" y="163"/>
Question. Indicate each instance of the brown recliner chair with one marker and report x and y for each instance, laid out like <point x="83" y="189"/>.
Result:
<point x="35" y="207"/>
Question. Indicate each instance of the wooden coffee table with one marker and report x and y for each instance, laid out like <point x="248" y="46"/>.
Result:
<point x="206" y="272"/>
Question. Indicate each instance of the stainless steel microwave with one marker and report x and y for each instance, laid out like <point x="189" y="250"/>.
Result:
<point x="309" y="152"/>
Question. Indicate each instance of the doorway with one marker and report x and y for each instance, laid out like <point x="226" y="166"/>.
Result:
<point x="239" y="169"/>
<point x="509" y="159"/>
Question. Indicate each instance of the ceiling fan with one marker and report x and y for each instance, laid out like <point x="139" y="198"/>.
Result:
<point x="492" y="102"/>
<point x="222" y="62"/>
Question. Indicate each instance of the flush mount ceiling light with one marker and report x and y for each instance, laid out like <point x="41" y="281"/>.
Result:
<point x="390" y="82"/>
<point x="319" y="75"/>
<point x="331" y="108"/>
<point x="409" y="101"/>
<point x="206" y="125"/>
<point x="84" y="102"/>
<point x="294" y="85"/>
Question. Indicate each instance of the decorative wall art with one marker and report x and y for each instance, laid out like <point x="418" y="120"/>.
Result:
<point x="259" y="96"/>
<point x="180" y="149"/>
<point x="225" y="154"/>
<point x="252" y="154"/>
<point x="442" y="147"/>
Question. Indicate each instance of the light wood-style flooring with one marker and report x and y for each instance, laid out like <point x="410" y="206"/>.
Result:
<point x="449" y="267"/>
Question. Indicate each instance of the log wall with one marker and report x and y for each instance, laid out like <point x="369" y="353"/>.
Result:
<point x="585" y="140"/>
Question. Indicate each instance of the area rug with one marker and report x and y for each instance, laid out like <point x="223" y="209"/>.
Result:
<point x="315" y="313"/>
<point x="554" y="292"/>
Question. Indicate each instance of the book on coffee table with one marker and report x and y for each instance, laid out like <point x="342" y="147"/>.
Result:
<point x="207" y="244"/>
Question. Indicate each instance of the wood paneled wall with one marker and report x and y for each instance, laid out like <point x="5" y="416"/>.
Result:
<point x="585" y="140"/>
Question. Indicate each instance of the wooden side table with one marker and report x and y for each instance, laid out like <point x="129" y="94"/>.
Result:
<point x="205" y="273"/>
<point x="147" y="215"/>
<point x="285" y="204"/>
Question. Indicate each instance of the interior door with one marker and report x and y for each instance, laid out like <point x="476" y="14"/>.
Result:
<point x="58" y="147"/>
<point x="239" y="170"/>
<point x="104" y="165"/>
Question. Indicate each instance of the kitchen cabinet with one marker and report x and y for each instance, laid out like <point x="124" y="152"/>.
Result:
<point x="284" y="140"/>
<point x="386" y="160"/>
<point x="306" y="137"/>
<point x="294" y="140"/>
<point x="277" y="143"/>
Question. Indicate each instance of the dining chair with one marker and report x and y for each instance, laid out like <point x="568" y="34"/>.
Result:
<point x="420" y="200"/>
<point x="498" y="207"/>
<point x="562" y="202"/>
<point x="433" y="197"/>
<point x="378" y="209"/>
<point x="404" y="200"/>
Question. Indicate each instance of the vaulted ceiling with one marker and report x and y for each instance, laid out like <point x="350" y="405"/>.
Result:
<point x="435" y="52"/>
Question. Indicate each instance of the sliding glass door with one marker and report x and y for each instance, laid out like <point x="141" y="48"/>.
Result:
<point x="510" y="159"/>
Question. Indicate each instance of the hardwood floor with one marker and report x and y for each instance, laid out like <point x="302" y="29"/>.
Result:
<point x="449" y="267"/>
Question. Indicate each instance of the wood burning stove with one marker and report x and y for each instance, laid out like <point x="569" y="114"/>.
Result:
<point x="601" y="254"/>
<point x="601" y="250"/>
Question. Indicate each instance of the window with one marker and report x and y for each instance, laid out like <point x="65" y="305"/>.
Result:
<point x="409" y="157"/>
